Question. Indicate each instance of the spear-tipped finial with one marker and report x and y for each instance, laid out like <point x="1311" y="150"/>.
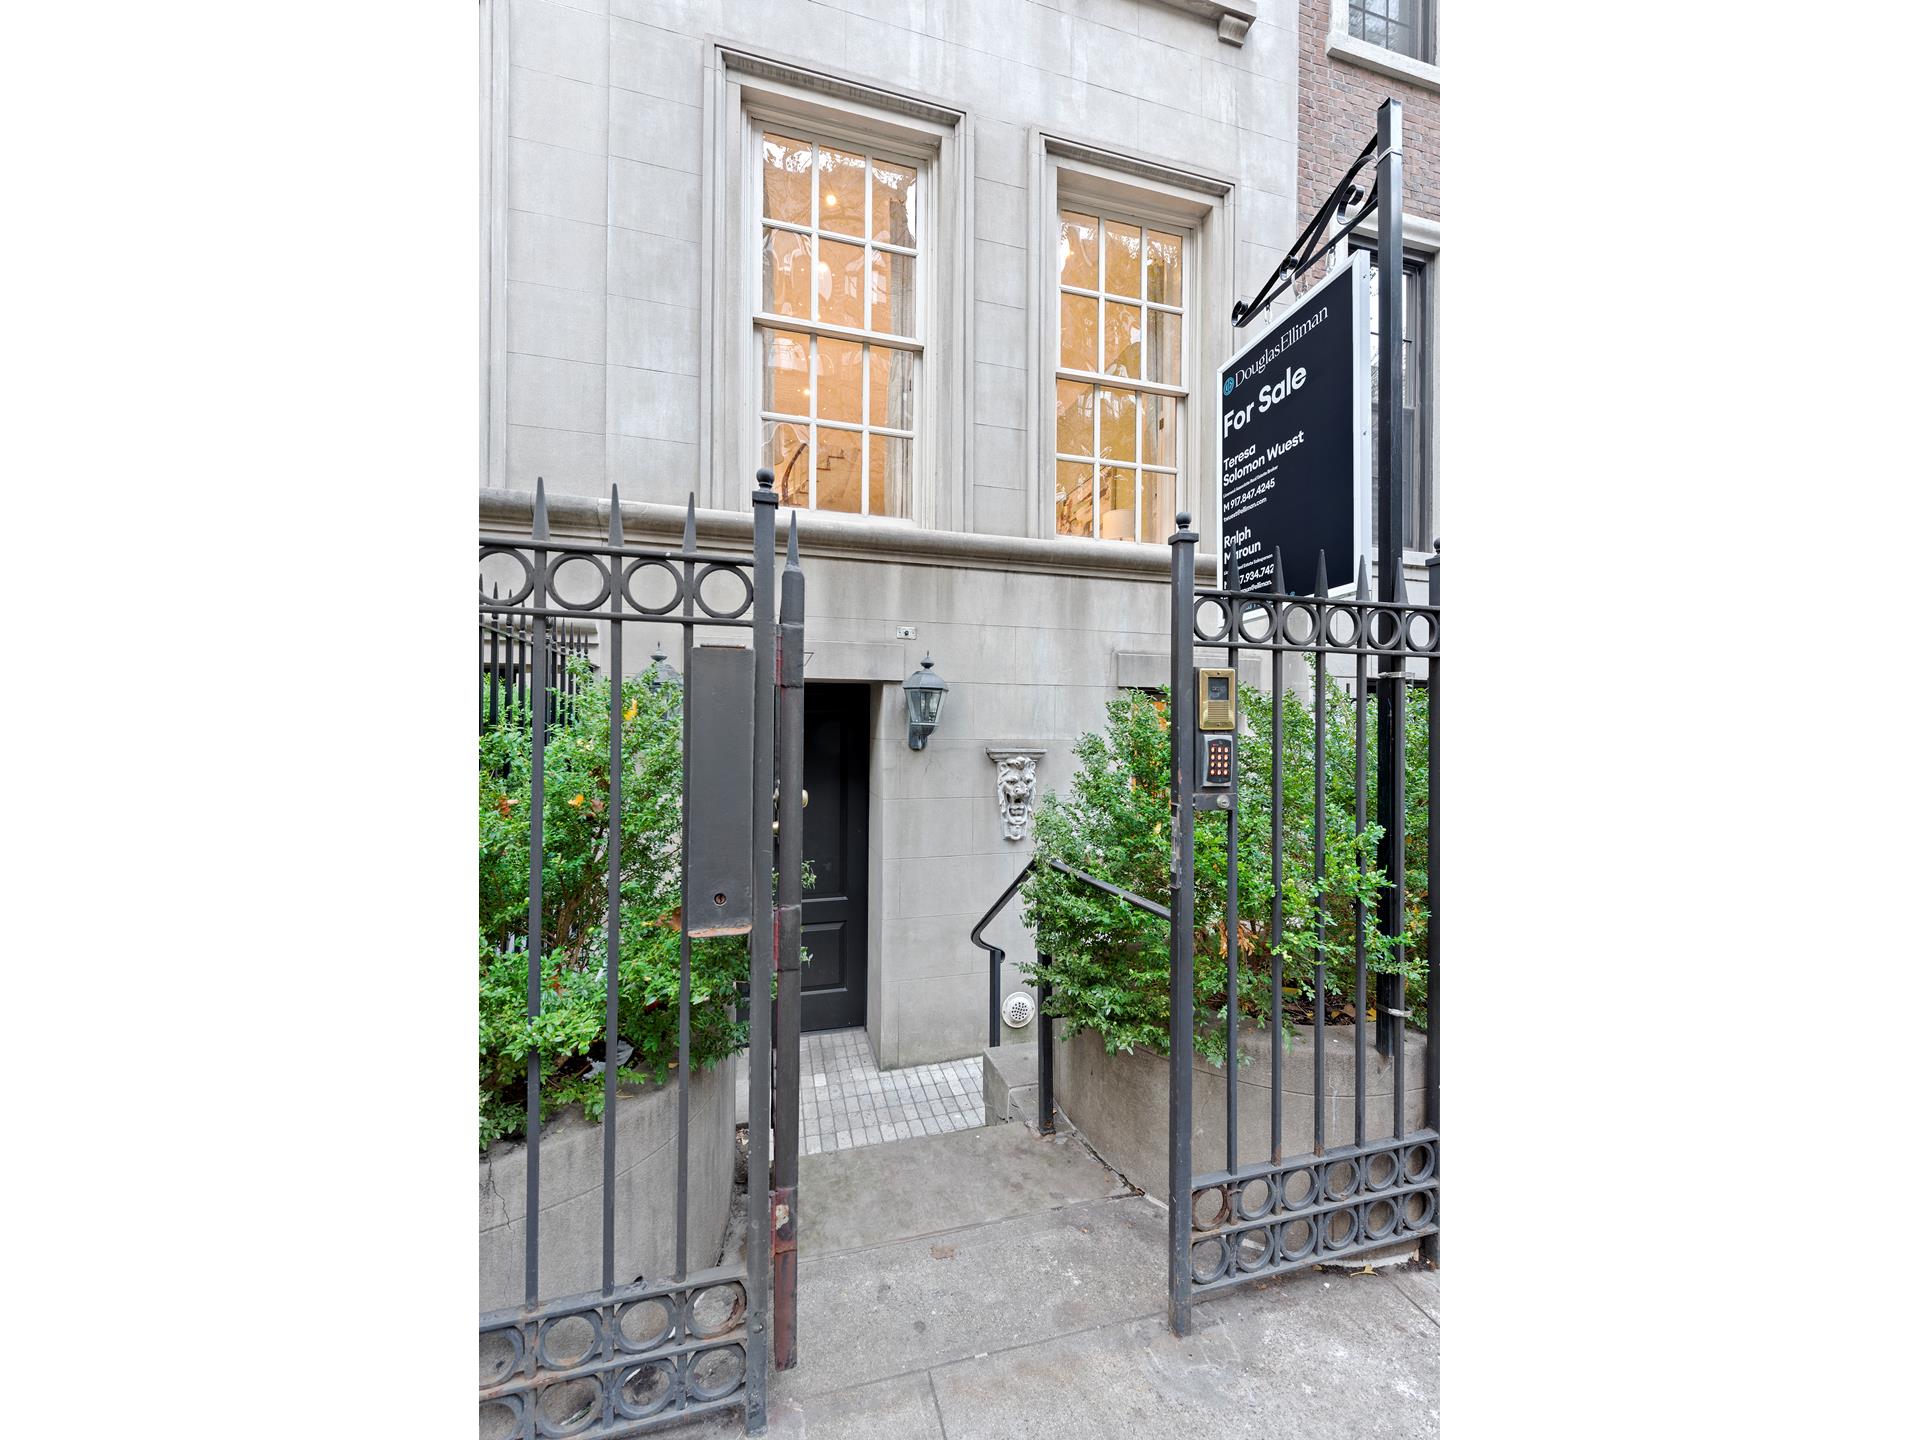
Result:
<point x="1279" y="573"/>
<point x="1320" y="576"/>
<point x="540" y="508"/>
<point x="614" y="534"/>
<point x="1360" y="579"/>
<point x="1399" y="579"/>
<point x="793" y="537"/>
<point x="1233" y="567"/>
<point x="687" y="537"/>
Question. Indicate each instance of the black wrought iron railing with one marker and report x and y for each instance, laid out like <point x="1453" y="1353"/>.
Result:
<point x="996" y="958"/>
<point x="683" y="1338"/>
<point x="507" y="665"/>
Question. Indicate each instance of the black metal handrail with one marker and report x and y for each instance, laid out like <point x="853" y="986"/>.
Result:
<point x="996" y="957"/>
<point x="1138" y="901"/>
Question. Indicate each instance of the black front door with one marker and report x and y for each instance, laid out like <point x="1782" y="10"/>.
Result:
<point x="833" y="909"/>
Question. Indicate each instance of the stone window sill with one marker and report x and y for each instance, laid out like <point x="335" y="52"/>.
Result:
<point x="1383" y="61"/>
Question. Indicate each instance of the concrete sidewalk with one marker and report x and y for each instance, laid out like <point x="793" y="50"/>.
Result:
<point x="999" y="1283"/>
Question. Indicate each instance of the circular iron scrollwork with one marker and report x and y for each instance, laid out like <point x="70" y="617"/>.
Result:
<point x="1253" y="1249"/>
<point x="1307" y="634"/>
<point x="716" y="1309"/>
<point x="1383" y="630"/>
<point x="576" y="557"/>
<point x="672" y="572"/>
<point x="1263" y="610"/>
<point x="721" y="567"/>
<point x="646" y="1389"/>
<point x="502" y="1352"/>
<point x="642" y="1325"/>
<point x="1416" y="1164"/>
<point x="570" y="1407"/>
<point x="1211" y="621"/>
<point x="1339" y="626"/>
<point x="716" y="1373"/>
<point x="1209" y="1259"/>
<point x="529" y="572"/>
<point x="576" y="1334"/>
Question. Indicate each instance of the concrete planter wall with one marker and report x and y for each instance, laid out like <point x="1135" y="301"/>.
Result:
<point x="645" y="1186"/>
<point x="1119" y="1102"/>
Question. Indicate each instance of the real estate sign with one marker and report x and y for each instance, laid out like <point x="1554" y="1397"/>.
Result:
<point x="1296" y="439"/>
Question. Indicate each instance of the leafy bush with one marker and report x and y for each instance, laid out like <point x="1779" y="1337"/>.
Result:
<point x="570" y="1031"/>
<point x="1108" y="961"/>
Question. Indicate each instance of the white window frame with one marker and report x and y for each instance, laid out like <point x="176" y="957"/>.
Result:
<point x="1068" y="174"/>
<point x="866" y="336"/>
<point x="1419" y="237"/>
<point x="1343" y="44"/>
<point x="754" y="93"/>
<point x="1180" y="394"/>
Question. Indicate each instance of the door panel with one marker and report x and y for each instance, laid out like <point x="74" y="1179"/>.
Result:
<point x="833" y="906"/>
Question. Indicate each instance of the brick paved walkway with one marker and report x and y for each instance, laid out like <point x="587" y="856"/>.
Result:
<point x="847" y="1101"/>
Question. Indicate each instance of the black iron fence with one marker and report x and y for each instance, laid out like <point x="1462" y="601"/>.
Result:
<point x="506" y="665"/>
<point x="1294" y="1206"/>
<point x="635" y="1355"/>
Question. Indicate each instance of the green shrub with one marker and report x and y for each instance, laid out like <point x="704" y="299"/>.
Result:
<point x="571" y="1028"/>
<point x="1108" y="961"/>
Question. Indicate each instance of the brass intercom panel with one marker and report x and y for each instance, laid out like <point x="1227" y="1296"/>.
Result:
<point x="1217" y="708"/>
<point x="1219" y="700"/>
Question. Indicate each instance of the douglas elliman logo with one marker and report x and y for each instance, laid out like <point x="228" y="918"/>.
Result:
<point x="1273" y="352"/>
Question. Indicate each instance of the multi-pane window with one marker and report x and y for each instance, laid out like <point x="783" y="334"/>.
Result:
<point x="1416" y="510"/>
<point x="1403" y="26"/>
<point x="837" y="324"/>
<point x="1119" y="379"/>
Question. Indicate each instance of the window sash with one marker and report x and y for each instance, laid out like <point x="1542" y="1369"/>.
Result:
<point x="1137" y="469"/>
<point x="912" y="345"/>
<point x="1417" y="503"/>
<point x="1373" y="22"/>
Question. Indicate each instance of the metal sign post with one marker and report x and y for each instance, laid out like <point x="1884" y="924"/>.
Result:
<point x="1392" y="744"/>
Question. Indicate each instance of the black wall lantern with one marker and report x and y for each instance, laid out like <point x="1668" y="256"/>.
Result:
<point x="926" y="692"/>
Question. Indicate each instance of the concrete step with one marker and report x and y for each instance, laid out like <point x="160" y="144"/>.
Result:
<point x="1009" y="1081"/>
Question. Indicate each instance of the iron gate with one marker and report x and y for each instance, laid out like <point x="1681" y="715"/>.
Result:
<point x="637" y="1354"/>
<point x="1301" y="1203"/>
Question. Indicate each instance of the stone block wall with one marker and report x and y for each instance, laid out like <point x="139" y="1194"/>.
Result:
<point x="600" y="112"/>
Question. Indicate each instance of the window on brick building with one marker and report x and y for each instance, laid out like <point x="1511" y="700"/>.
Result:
<point x="838" y="323"/>
<point x="1402" y="26"/>
<point x="1119" y="377"/>
<point x="1416" y="521"/>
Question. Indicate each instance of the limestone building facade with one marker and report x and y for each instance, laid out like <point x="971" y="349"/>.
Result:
<point x="960" y="272"/>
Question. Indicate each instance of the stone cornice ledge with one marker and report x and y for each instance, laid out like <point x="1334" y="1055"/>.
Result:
<point x="835" y="536"/>
<point x="1234" y="17"/>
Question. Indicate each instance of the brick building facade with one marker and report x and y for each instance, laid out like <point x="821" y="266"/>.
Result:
<point x="1338" y="98"/>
